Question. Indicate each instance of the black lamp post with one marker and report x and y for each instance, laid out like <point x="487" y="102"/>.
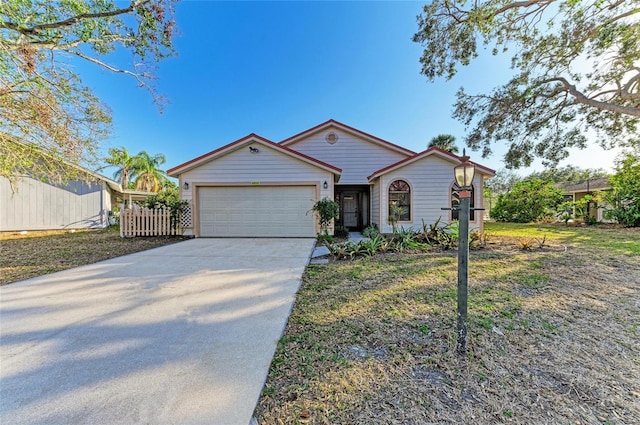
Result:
<point x="463" y="173"/>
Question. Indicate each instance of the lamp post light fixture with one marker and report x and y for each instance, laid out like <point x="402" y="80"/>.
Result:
<point x="463" y="173"/>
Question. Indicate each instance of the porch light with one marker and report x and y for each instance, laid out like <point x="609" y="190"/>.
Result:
<point x="464" y="172"/>
<point x="325" y="185"/>
<point x="185" y="186"/>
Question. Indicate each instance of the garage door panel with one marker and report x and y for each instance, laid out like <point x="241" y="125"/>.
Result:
<point x="262" y="211"/>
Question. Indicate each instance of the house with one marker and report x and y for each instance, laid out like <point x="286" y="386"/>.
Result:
<point x="254" y="187"/>
<point x="576" y="192"/>
<point x="29" y="203"/>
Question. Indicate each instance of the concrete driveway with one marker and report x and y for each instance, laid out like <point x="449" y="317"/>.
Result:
<point x="182" y="334"/>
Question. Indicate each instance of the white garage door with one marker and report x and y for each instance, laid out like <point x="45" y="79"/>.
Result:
<point x="259" y="211"/>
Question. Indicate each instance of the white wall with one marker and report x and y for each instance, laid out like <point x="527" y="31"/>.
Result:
<point x="430" y="179"/>
<point x="35" y="205"/>
<point x="357" y="157"/>
<point x="241" y="167"/>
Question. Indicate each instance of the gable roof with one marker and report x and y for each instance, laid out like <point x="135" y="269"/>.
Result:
<point x="347" y="129"/>
<point x="114" y="185"/>
<point x="586" y="186"/>
<point x="433" y="151"/>
<point x="251" y="138"/>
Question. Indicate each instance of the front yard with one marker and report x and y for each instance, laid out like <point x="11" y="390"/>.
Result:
<point x="554" y="335"/>
<point x="32" y="254"/>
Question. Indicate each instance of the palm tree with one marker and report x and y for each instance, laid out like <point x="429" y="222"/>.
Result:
<point x="148" y="176"/>
<point x="445" y="142"/>
<point x="125" y="163"/>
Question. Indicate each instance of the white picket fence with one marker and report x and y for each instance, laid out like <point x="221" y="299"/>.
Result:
<point x="146" y="222"/>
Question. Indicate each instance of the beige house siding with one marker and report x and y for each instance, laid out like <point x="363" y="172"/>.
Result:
<point x="357" y="157"/>
<point x="598" y="211"/>
<point x="268" y="167"/>
<point x="35" y="205"/>
<point x="432" y="178"/>
<point x="375" y="204"/>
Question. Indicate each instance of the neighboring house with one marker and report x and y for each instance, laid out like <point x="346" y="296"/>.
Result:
<point x="254" y="187"/>
<point x="87" y="203"/>
<point x="577" y="192"/>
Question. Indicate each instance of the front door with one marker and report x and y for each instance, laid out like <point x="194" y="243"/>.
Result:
<point x="350" y="210"/>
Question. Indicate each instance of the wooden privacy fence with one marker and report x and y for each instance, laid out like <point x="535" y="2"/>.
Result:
<point x="147" y="222"/>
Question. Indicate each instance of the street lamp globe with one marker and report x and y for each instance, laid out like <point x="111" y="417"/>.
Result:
<point x="464" y="172"/>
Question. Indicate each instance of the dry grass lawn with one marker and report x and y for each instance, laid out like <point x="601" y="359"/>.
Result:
<point x="23" y="256"/>
<point x="554" y="336"/>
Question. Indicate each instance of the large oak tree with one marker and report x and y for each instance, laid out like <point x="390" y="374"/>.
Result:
<point x="576" y="72"/>
<point x="47" y="113"/>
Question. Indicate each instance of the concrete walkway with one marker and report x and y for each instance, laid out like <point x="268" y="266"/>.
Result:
<point x="182" y="334"/>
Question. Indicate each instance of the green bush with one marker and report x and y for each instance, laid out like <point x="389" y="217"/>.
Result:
<point x="625" y="196"/>
<point x="527" y="201"/>
<point x="168" y="199"/>
<point x="341" y="232"/>
<point x="371" y="231"/>
<point x="404" y="240"/>
<point x="324" y="238"/>
<point x="326" y="211"/>
<point x="446" y="236"/>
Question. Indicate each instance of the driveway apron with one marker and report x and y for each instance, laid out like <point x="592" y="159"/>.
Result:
<point x="182" y="334"/>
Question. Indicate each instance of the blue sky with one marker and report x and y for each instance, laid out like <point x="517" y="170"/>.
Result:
<point x="278" y="68"/>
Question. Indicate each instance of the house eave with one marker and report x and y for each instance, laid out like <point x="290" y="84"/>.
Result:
<point x="347" y="129"/>
<point x="433" y="151"/>
<point x="239" y="144"/>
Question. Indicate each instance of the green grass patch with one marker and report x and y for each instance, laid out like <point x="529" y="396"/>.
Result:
<point x="608" y="238"/>
<point x="374" y="340"/>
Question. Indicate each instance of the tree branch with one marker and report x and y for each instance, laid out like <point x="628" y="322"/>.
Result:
<point x="107" y="66"/>
<point x="525" y="4"/>
<point x="11" y="45"/>
<point x="585" y="100"/>
<point x="74" y="19"/>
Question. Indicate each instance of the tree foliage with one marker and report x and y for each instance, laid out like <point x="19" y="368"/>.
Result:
<point x="625" y="194"/>
<point x="43" y="102"/>
<point x="140" y="172"/>
<point x="149" y="176"/>
<point x="124" y="163"/>
<point x="503" y="181"/>
<point x="576" y="71"/>
<point x="527" y="201"/>
<point x="446" y="142"/>
<point x="569" y="174"/>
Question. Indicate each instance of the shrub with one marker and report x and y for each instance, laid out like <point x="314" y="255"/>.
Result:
<point x="325" y="238"/>
<point x="374" y="245"/>
<point x="371" y="231"/>
<point x="326" y="211"/>
<point x="395" y="212"/>
<point x="625" y="196"/>
<point x="168" y="199"/>
<point x="404" y="240"/>
<point x="407" y="240"/>
<point x="527" y="201"/>
<point x="341" y="232"/>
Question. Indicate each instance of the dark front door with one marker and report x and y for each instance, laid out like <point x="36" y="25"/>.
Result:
<point x="350" y="210"/>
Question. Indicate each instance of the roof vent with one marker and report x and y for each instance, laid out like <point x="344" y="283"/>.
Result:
<point x="331" y="138"/>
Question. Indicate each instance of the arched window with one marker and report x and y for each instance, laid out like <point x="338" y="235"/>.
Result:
<point x="455" y="203"/>
<point x="400" y="200"/>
